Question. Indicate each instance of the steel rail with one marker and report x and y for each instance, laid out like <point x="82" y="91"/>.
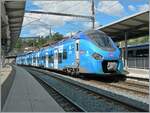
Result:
<point x="133" y="89"/>
<point x="76" y="107"/>
<point x="137" y="84"/>
<point x="91" y="91"/>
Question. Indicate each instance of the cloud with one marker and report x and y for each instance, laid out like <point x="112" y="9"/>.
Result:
<point x="131" y="7"/>
<point x="69" y="34"/>
<point x="88" y="25"/>
<point x="113" y="8"/>
<point x="69" y="7"/>
<point x="39" y="24"/>
<point x="143" y="7"/>
<point x="73" y="7"/>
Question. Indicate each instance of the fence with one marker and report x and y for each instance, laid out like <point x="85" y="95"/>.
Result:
<point x="138" y="62"/>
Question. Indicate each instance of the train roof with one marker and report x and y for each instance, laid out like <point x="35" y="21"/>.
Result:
<point x="76" y="36"/>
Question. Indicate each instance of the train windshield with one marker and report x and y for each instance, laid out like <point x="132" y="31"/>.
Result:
<point x="100" y="39"/>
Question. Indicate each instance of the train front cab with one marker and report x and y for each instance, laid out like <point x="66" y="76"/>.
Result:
<point x="98" y="60"/>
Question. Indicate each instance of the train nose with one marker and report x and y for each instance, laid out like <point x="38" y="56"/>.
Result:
<point x="111" y="66"/>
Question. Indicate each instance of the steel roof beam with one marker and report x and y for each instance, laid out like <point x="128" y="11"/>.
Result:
<point x="14" y="22"/>
<point x="126" y="25"/>
<point x="59" y="14"/>
<point x="14" y="9"/>
<point x="113" y="28"/>
<point x="135" y="28"/>
<point x="142" y="21"/>
<point x="17" y="16"/>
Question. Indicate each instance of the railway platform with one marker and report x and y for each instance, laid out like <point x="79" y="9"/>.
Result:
<point x="138" y="73"/>
<point x="27" y="95"/>
<point x="4" y="73"/>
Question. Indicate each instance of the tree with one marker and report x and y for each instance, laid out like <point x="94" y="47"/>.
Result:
<point x="56" y="37"/>
<point x="18" y="43"/>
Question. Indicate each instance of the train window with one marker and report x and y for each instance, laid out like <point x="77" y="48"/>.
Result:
<point x="51" y="59"/>
<point x="77" y="46"/>
<point x="64" y="54"/>
<point x="100" y="39"/>
<point x="59" y="57"/>
<point x="34" y="59"/>
<point x="44" y="59"/>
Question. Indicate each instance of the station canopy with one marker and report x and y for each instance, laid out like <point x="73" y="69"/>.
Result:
<point x="135" y="26"/>
<point x="12" y="18"/>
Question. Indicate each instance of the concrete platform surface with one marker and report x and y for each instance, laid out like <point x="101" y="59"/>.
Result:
<point x="27" y="95"/>
<point x="4" y="73"/>
<point x="139" y="73"/>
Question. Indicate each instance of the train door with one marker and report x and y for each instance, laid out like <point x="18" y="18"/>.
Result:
<point x="46" y="60"/>
<point x="36" y="60"/>
<point x="56" y="58"/>
<point x="32" y="60"/>
<point x="77" y="54"/>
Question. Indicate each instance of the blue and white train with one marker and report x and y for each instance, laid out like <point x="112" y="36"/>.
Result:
<point x="90" y="52"/>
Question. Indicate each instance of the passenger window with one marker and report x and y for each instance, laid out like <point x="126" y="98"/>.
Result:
<point x="64" y="54"/>
<point x="77" y="47"/>
<point x="59" y="57"/>
<point x="44" y="58"/>
<point x="34" y="59"/>
<point x="51" y="59"/>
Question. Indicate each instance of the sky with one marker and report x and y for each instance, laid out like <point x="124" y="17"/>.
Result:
<point x="106" y="11"/>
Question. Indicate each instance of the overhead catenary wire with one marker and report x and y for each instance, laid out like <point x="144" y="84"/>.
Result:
<point x="76" y="16"/>
<point x="109" y="8"/>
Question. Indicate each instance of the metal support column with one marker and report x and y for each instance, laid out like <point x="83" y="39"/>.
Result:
<point x="0" y="47"/>
<point x="126" y="50"/>
<point x="93" y="14"/>
<point x="0" y="54"/>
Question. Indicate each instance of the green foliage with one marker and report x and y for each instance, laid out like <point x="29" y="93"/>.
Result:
<point x="56" y="37"/>
<point x="38" y="42"/>
<point x="140" y="40"/>
<point x="136" y="41"/>
<point x="18" y="43"/>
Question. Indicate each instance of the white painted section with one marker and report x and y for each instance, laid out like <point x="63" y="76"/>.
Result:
<point x="46" y="60"/>
<point x="77" y="52"/>
<point x="38" y="54"/>
<point x="56" y="59"/>
<point x="36" y="61"/>
<point x="60" y="48"/>
<point x="32" y="61"/>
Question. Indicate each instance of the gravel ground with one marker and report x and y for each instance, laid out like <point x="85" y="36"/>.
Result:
<point x="81" y="97"/>
<point x="128" y="94"/>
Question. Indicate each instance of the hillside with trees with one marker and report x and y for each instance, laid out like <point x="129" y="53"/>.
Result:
<point x="38" y="42"/>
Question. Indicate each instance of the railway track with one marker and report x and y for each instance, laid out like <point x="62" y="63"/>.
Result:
<point x="139" y="89"/>
<point x="137" y="78"/>
<point x="138" y="84"/>
<point x="62" y="100"/>
<point x="128" y="85"/>
<point x="83" y="98"/>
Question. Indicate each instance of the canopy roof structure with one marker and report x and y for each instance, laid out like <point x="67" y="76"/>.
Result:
<point x="135" y="26"/>
<point x="11" y="21"/>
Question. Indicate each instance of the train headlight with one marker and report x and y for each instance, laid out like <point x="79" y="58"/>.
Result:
<point x="97" y="56"/>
